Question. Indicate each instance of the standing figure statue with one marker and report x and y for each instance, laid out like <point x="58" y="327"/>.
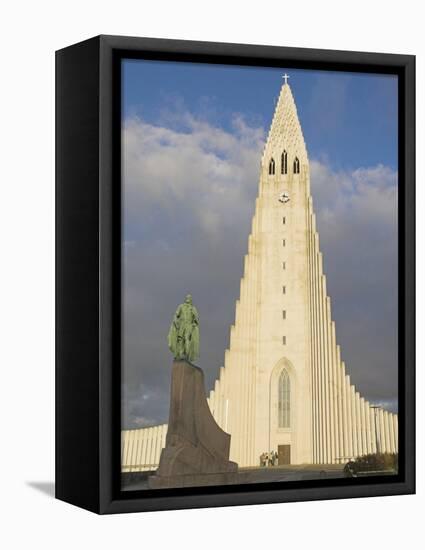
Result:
<point x="183" y="337"/>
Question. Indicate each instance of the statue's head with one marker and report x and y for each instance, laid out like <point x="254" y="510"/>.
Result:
<point x="188" y="299"/>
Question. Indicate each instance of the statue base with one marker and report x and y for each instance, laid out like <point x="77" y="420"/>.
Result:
<point x="197" y="449"/>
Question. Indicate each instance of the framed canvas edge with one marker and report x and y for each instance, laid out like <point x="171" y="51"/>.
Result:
<point x="110" y="497"/>
<point x="76" y="275"/>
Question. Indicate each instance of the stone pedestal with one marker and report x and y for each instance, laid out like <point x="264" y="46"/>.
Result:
<point x="197" y="449"/>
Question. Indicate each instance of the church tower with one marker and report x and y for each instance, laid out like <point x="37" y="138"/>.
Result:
<point x="284" y="386"/>
<point x="269" y="358"/>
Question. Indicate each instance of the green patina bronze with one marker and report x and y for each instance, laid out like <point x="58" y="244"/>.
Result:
<point x="183" y="337"/>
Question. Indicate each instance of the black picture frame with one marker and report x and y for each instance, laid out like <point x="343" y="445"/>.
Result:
<point x="88" y="271"/>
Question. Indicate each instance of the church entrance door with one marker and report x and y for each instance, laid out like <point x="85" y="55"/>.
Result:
<point x="284" y="454"/>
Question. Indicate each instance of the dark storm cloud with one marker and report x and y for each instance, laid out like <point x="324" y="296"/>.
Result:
<point x="187" y="221"/>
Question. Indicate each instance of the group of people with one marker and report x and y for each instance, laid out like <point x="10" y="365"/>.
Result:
<point x="269" y="459"/>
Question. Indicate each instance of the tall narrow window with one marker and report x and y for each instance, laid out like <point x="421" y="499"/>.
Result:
<point x="284" y="220"/>
<point x="284" y="163"/>
<point x="296" y="166"/>
<point x="284" y="340"/>
<point x="284" y="290"/>
<point x="284" y="400"/>
<point x="283" y="265"/>
<point x="271" y="167"/>
<point x="284" y="314"/>
<point x="283" y="242"/>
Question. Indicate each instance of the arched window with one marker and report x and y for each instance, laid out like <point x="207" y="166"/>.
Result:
<point x="271" y="167"/>
<point x="284" y="400"/>
<point x="296" y="166"/>
<point x="284" y="163"/>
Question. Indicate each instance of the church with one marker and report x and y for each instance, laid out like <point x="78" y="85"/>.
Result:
<point x="284" y="386"/>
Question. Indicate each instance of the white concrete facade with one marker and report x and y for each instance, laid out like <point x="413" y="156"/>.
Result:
<point x="283" y="324"/>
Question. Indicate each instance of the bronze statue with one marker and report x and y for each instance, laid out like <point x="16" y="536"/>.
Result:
<point x="183" y="337"/>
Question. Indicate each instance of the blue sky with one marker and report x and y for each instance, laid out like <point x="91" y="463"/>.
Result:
<point x="348" y="118"/>
<point x="193" y="135"/>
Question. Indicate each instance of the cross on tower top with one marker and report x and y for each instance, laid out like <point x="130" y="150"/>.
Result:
<point x="285" y="77"/>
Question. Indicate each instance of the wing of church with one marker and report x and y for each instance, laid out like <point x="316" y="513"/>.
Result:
<point x="284" y="386"/>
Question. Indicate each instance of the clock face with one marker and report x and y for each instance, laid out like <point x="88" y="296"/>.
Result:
<point x="284" y="197"/>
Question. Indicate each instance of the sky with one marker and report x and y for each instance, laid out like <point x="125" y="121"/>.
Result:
<point x="193" y="135"/>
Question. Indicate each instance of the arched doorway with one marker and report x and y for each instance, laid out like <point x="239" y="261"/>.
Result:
<point x="282" y="417"/>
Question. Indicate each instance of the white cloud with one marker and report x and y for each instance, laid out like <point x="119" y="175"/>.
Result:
<point x="206" y="169"/>
<point x="369" y="193"/>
